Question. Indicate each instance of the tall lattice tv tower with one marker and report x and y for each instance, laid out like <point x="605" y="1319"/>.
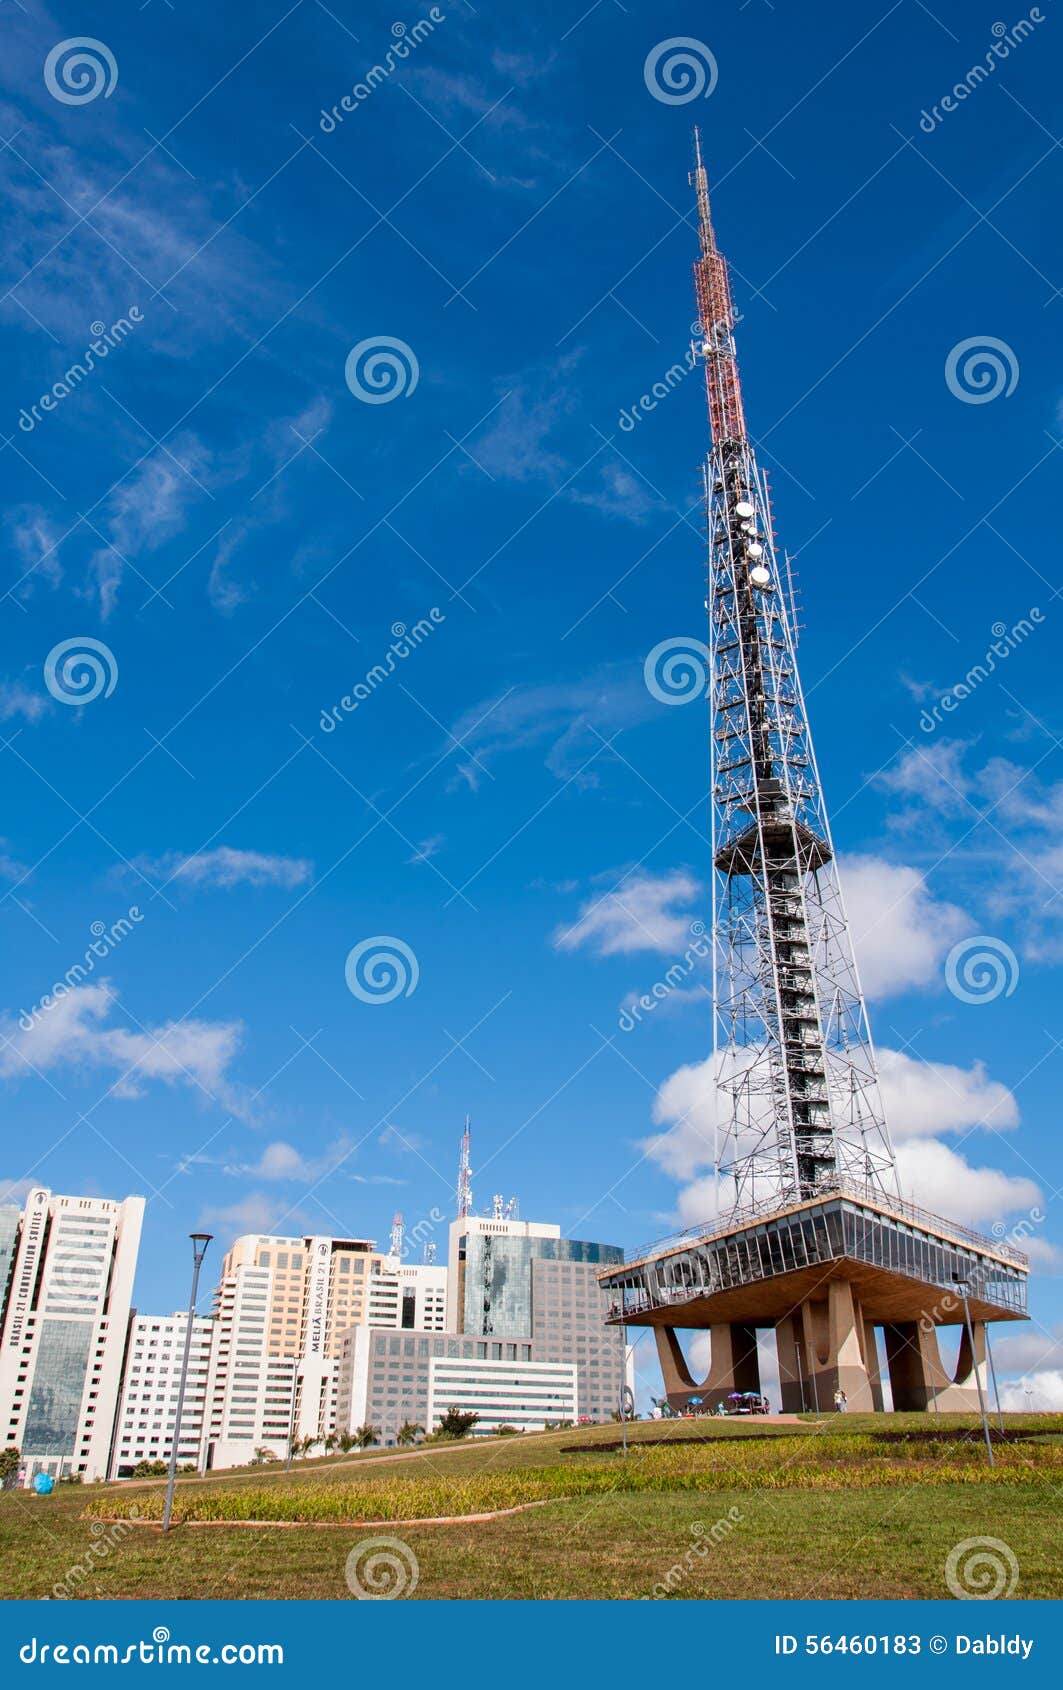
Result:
<point x="813" y="1238"/>
<point x="794" y="1062"/>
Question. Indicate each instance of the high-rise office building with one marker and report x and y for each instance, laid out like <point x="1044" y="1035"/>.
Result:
<point x="526" y="1340"/>
<point x="280" y="1309"/>
<point x="513" y="1279"/>
<point x="147" y="1407"/>
<point x="65" y="1324"/>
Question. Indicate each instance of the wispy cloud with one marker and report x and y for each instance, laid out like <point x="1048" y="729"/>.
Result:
<point x="637" y="915"/>
<point x="225" y="867"/>
<point x="77" y="1031"/>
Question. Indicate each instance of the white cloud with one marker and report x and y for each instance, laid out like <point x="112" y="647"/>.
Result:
<point x="16" y="1190"/>
<point x="571" y="719"/>
<point x="636" y="916"/>
<point x="921" y="1099"/>
<point x="941" y="1180"/>
<point x="225" y="867"/>
<point x="255" y="1213"/>
<point x="931" y="777"/>
<point x="900" y="931"/>
<point x="73" y="1032"/>
<point x="282" y="1161"/>
<point x="1025" y="1349"/>
<point x="926" y="1099"/>
<point x="19" y="700"/>
<point x="147" y="509"/>
<point x="1037" y="1393"/>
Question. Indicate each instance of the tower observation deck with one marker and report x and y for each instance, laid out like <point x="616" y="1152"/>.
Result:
<point x="813" y="1237"/>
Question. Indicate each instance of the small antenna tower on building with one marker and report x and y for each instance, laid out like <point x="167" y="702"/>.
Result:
<point x="465" y="1174"/>
<point x="398" y="1230"/>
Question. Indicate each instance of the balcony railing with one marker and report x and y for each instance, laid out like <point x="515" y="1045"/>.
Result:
<point x="898" y="1207"/>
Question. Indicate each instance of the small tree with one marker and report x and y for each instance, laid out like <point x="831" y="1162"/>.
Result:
<point x="262" y="1455"/>
<point x="10" y="1461"/>
<point x="408" y="1432"/>
<point x="505" y="1431"/>
<point x="365" y="1436"/>
<point x="456" y="1423"/>
<point x="346" y="1441"/>
<point x="330" y="1443"/>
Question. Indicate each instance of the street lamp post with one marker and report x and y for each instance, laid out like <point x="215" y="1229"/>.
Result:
<point x="961" y="1286"/>
<point x="200" y="1240"/>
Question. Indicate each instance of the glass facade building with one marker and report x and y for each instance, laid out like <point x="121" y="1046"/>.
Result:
<point x="495" y="1276"/>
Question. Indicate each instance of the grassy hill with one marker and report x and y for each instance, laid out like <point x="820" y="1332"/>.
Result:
<point x="844" y="1507"/>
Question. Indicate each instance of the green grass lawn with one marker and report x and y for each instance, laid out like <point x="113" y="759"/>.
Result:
<point x="845" y="1507"/>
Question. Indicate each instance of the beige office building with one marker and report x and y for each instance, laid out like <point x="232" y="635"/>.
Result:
<point x="280" y="1309"/>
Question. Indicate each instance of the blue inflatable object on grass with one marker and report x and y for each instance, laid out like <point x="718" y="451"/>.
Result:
<point x="44" y="1484"/>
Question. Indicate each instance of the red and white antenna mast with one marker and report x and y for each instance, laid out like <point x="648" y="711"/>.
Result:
<point x="800" y="1106"/>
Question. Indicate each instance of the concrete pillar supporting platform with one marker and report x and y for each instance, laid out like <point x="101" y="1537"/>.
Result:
<point x="734" y="1365"/>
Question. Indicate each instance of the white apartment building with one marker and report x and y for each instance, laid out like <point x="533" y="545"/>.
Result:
<point x="388" y="1378"/>
<point x="147" y="1408"/>
<point x="65" y="1326"/>
<point x="407" y="1294"/>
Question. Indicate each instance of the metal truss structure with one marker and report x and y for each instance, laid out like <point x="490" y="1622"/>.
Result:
<point x="799" y="1106"/>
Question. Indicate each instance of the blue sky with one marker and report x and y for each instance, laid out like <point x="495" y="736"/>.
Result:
<point x="243" y="533"/>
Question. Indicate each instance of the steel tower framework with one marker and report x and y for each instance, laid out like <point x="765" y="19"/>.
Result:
<point x="798" y="1104"/>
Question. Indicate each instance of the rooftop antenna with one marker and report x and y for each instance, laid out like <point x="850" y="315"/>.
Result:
<point x="465" y="1174"/>
<point x="398" y="1230"/>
